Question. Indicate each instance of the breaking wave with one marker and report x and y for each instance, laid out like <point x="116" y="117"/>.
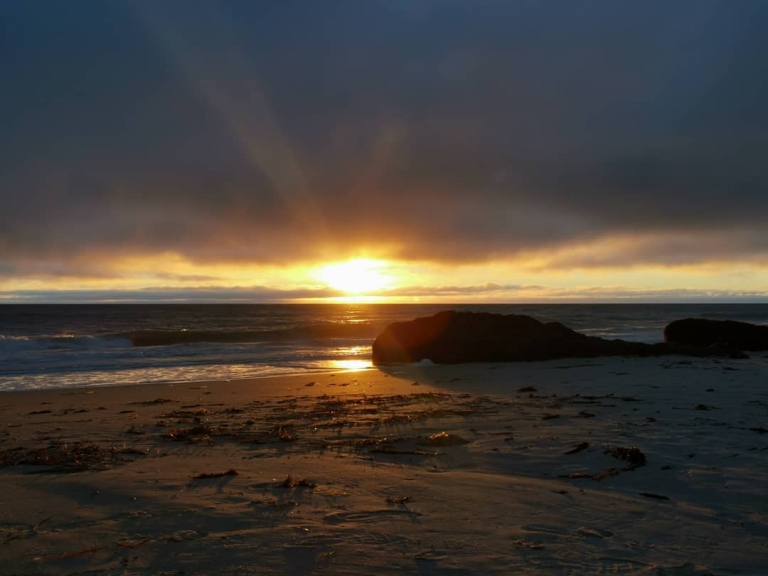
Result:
<point x="145" y="338"/>
<point x="312" y="332"/>
<point x="60" y="342"/>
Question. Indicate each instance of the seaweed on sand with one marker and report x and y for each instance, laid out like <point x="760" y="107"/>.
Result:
<point x="207" y="475"/>
<point x="194" y="435"/>
<point x="290" y="482"/>
<point x="632" y="455"/>
<point x="68" y="457"/>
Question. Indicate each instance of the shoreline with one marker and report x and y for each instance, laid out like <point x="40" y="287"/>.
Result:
<point x="627" y="466"/>
<point x="191" y="382"/>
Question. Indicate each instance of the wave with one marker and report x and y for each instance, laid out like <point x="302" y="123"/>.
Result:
<point x="60" y="342"/>
<point x="146" y="338"/>
<point x="311" y="332"/>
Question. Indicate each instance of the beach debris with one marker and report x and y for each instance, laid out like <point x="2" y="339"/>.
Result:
<point x="36" y="527"/>
<point x="374" y="441"/>
<point x="577" y="475"/>
<point x="578" y="448"/>
<point x="154" y="402"/>
<point x="632" y="455"/>
<point x="207" y="475"/>
<point x="290" y="482"/>
<point x="282" y="504"/>
<point x="531" y="545"/>
<point x="401" y="501"/>
<point x="652" y="495"/>
<point x="36" y="412"/>
<point x="194" y="435"/>
<point x="607" y="473"/>
<point x="282" y="433"/>
<point x="595" y="532"/>
<point x="133" y="544"/>
<point x="16" y="532"/>
<point x="550" y="416"/>
<point x="66" y="457"/>
<point x="185" y="414"/>
<point x="527" y="389"/>
<point x="441" y="439"/>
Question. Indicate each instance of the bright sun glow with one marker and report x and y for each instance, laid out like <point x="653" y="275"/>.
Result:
<point x="355" y="276"/>
<point x="352" y="365"/>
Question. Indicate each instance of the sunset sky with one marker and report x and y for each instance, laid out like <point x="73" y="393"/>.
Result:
<point x="403" y="150"/>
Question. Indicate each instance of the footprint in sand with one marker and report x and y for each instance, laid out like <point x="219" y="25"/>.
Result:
<point x="344" y="517"/>
<point x="594" y="532"/>
<point x="529" y="544"/>
<point x="557" y="530"/>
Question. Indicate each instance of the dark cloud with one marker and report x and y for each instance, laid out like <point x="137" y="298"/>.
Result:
<point x="449" y="130"/>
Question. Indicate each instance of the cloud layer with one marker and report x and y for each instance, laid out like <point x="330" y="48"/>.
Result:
<point x="438" y="130"/>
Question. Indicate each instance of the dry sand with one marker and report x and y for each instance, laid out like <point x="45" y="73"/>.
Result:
<point x="609" y="466"/>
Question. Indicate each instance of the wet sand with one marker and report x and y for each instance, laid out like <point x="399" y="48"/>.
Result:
<point x="620" y="466"/>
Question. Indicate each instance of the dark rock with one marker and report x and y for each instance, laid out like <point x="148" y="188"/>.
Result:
<point x="703" y="332"/>
<point x="456" y="337"/>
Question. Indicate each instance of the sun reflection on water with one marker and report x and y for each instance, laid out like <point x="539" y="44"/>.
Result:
<point x="352" y="365"/>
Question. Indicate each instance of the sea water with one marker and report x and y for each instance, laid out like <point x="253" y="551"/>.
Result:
<point x="58" y="346"/>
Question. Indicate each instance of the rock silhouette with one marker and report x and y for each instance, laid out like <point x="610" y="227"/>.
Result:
<point x="702" y="332"/>
<point x="452" y="337"/>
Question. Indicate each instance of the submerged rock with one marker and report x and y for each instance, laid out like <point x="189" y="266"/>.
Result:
<point x="703" y="332"/>
<point x="457" y="337"/>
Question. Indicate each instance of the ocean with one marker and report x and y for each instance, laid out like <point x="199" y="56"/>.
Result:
<point x="61" y="346"/>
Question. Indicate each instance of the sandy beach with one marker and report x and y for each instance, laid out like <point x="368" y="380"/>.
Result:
<point x="605" y="466"/>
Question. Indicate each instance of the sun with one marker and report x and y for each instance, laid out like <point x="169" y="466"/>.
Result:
<point x="359" y="276"/>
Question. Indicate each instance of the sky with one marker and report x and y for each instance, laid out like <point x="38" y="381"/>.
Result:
<point x="451" y="150"/>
